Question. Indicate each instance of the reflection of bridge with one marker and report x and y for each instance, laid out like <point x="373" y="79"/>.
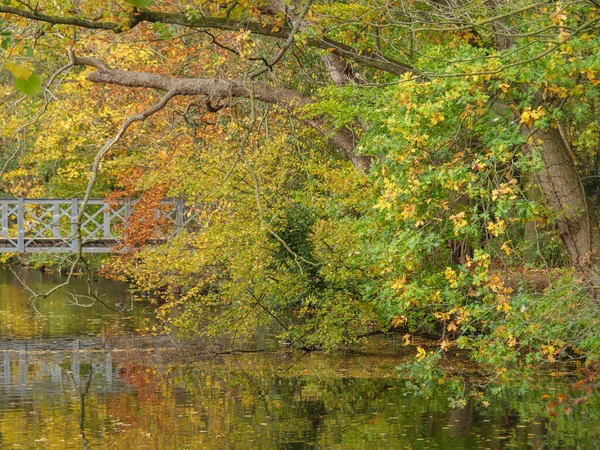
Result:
<point x="50" y="225"/>
<point x="52" y="356"/>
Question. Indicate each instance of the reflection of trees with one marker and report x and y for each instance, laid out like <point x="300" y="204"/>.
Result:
<point x="24" y="322"/>
<point x="262" y="403"/>
<point x="329" y="410"/>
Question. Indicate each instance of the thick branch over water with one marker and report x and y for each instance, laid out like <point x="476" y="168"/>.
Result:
<point x="222" y="89"/>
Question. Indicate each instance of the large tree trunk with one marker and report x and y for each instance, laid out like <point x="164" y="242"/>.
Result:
<point x="560" y="181"/>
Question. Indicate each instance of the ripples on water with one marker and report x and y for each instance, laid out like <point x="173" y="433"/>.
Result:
<point x="88" y="378"/>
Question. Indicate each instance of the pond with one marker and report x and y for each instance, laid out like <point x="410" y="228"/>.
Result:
<point x="91" y="377"/>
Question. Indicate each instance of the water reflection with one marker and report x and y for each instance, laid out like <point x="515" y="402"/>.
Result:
<point x="123" y="389"/>
<point x="150" y="399"/>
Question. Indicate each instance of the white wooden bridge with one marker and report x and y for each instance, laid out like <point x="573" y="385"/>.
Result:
<point x="50" y="225"/>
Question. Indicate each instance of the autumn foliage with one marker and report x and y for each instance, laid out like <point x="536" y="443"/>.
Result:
<point x="428" y="168"/>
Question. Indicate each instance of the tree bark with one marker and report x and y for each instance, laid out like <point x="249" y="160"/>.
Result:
<point x="342" y="74"/>
<point x="577" y="224"/>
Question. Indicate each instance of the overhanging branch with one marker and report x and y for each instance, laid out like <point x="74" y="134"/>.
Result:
<point x="218" y="89"/>
<point x="135" y="17"/>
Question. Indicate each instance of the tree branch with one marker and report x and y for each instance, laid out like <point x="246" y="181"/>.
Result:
<point x="218" y="89"/>
<point x="133" y="18"/>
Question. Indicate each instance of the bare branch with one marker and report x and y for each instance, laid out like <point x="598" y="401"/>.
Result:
<point x="288" y="42"/>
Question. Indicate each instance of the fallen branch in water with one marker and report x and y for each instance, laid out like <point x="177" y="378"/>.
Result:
<point x="401" y="330"/>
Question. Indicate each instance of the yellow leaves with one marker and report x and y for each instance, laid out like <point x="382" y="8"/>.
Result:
<point x="478" y="166"/>
<point x="406" y="339"/>
<point x="398" y="321"/>
<point x="511" y="341"/>
<point x="421" y="353"/>
<point x="549" y="351"/>
<point x="496" y="285"/>
<point x="497" y="228"/>
<point x="451" y="276"/>
<point x="591" y="75"/>
<point x="442" y="315"/>
<point x="163" y="155"/>
<point x="454" y="185"/>
<point x="398" y="284"/>
<point x="559" y="91"/>
<point x="506" y="190"/>
<point x="459" y="220"/>
<point x="436" y="297"/>
<point x="407" y="212"/>
<point x="559" y="16"/>
<point x="529" y="116"/>
<point x="383" y="204"/>
<point x="390" y="192"/>
<point x="243" y="35"/>
<point x="505" y="247"/>
<point x="18" y="71"/>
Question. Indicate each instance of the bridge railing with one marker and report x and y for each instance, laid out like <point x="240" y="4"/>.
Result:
<point x="50" y="225"/>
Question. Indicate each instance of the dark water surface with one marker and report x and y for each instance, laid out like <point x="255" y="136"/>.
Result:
<point x="89" y="377"/>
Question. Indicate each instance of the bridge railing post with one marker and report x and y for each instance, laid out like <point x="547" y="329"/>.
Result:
<point x="179" y="220"/>
<point x="4" y="220"/>
<point x="126" y="214"/>
<point x="56" y="220"/>
<point x="106" y="221"/>
<point x="21" y="225"/>
<point x="74" y="225"/>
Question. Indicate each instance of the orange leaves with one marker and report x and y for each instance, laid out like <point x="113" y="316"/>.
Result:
<point x="445" y="345"/>
<point x="436" y="118"/>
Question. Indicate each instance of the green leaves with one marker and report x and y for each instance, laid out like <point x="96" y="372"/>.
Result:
<point x="31" y="86"/>
<point x="5" y="39"/>
<point x="139" y="3"/>
<point x="26" y="81"/>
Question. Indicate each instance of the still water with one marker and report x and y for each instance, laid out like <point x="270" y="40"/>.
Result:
<point x="89" y="377"/>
